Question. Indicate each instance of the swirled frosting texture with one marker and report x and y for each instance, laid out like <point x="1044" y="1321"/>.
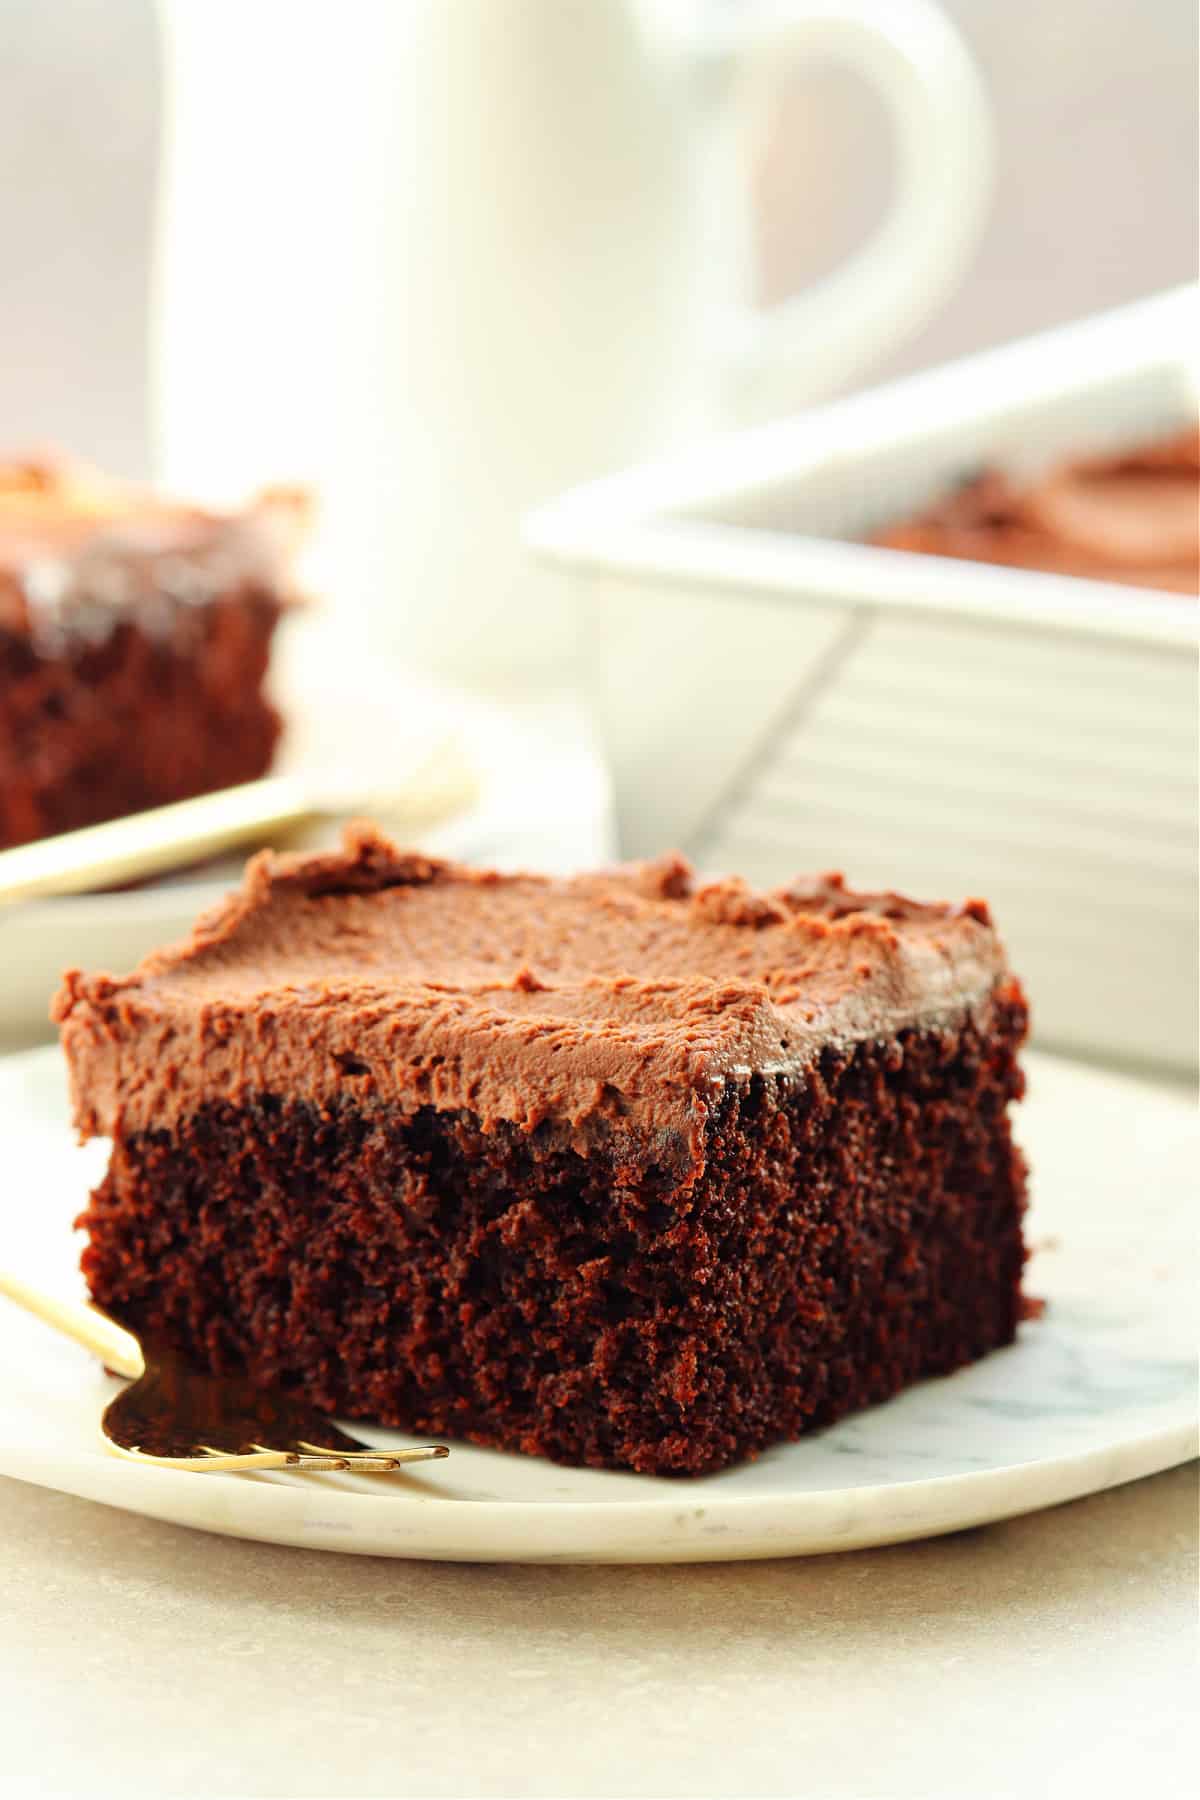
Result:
<point x="1132" y="518"/>
<point x="614" y="1004"/>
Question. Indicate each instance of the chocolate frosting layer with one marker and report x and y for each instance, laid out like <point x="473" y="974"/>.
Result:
<point x="78" y="553"/>
<point x="1133" y="518"/>
<point x="614" y="1005"/>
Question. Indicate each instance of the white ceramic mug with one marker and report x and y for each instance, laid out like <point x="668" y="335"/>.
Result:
<point x="445" y="257"/>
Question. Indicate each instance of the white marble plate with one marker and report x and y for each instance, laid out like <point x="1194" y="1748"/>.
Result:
<point x="1098" y="1391"/>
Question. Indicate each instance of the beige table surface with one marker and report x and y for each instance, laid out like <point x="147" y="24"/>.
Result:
<point x="1049" y="1655"/>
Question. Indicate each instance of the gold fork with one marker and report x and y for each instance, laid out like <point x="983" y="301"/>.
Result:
<point x="177" y="1417"/>
<point x="434" y="787"/>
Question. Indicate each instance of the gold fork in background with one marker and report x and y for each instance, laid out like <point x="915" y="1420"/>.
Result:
<point x="174" y="1416"/>
<point x="433" y="787"/>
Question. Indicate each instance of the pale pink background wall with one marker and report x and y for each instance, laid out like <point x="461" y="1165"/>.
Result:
<point x="1097" y="197"/>
<point x="78" y="142"/>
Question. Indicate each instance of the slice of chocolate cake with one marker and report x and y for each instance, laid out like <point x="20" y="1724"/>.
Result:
<point x="622" y="1170"/>
<point x="134" y="640"/>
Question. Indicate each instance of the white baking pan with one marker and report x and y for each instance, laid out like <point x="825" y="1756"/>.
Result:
<point x="775" y="695"/>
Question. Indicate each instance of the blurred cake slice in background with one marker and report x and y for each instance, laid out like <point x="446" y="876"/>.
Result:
<point x="135" y="637"/>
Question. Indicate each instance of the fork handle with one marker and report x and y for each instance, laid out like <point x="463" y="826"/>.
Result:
<point x="151" y="843"/>
<point x="117" y="1349"/>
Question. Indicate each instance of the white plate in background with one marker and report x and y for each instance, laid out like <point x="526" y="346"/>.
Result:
<point x="543" y="802"/>
<point x="1098" y="1391"/>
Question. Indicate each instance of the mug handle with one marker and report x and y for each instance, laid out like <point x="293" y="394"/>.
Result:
<point x="780" y="357"/>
